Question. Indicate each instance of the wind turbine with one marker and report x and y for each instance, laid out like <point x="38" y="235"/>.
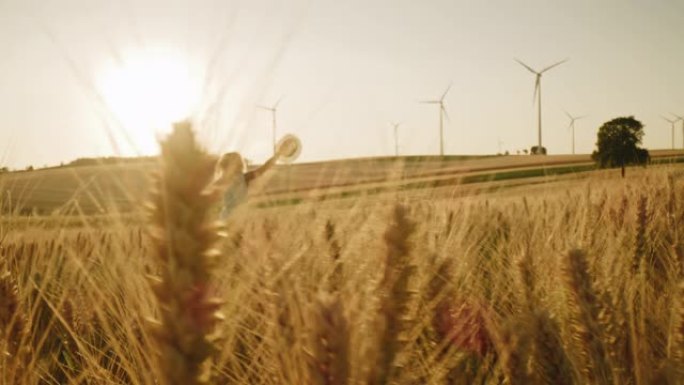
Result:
<point x="572" y="125"/>
<point x="672" y="125"/>
<point x="396" y="125"/>
<point x="537" y="95"/>
<point x="274" y="110"/>
<point x="682" y="119"/>
<point x="442" y="115"/>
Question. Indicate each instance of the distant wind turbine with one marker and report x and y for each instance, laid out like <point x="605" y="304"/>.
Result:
<point x="572" y="126"/>
<point x="273" y="109"/>
<point x="537" y="95"/>
<point x="396" y="125"/>
<point x="682" y="119"/>
<point x="442" y="115"/>
<point x="672" y="126"/>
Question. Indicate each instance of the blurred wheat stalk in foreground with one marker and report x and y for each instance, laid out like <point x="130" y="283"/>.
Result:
<point x="185" y="234"/>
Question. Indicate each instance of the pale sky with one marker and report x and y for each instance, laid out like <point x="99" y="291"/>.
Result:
<point x="345" y="69"/>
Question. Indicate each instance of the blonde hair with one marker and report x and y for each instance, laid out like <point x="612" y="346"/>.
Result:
<point x="231" y="159"/>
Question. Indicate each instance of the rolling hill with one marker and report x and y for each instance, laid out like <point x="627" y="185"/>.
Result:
<point x="123" y="187"/>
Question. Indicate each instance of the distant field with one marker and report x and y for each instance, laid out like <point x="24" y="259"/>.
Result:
<point x="107" y="188"/>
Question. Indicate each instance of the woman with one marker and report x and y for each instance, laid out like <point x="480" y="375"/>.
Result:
<point x="235" y="181"/>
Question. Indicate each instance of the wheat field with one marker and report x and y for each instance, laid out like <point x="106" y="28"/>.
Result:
<point x="577" y="284"/>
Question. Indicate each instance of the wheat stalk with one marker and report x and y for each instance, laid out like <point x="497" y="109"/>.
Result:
<point x="395" y="298"/>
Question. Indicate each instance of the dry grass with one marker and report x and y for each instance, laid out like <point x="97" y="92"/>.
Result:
<point x="579" y="285"/>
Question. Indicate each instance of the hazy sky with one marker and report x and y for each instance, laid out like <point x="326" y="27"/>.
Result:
<point x="345" y="68"/>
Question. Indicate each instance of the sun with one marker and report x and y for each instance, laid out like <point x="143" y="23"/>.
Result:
<point x="147" y="93"/>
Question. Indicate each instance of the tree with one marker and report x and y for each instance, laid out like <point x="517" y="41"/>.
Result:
<point x="618" y="142"/>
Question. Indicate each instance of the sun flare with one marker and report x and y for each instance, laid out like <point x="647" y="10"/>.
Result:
<point x="147" y="93"/>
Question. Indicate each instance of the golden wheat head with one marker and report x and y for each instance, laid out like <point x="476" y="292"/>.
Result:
<point x="184" y="236"/>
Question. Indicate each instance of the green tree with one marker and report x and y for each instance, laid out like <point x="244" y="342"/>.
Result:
<point x="618" y="144"/>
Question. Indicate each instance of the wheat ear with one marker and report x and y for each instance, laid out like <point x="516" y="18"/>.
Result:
<point x="550" y="365"/>
<point x="12" y="329"/>
<point x="676" y="356"/>
<point x="335" y="280"/>
<point x="584" y="319"/>
<point x="395" y="298"/>
<point x="184" y="236"/>
<point x="640" y="238"/>
<point x="329" y="363"/>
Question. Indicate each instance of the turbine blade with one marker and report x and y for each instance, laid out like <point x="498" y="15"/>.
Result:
<point x="537" y="84"/>
<point x="445" y="92"/>
<point x="264" y="107"/>
<point x="526" y="66"/>
<point x="568" y="115"/>
<point x="429" y="101"/>
<point x="446" y="114"/>
<point x="280" y="99"/>
<point x="553" y="65"/>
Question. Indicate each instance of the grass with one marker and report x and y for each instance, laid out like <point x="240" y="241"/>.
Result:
<point x="578" y="283"/>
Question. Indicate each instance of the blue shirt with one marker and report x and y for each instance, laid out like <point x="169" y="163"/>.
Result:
<point x="235" y="195"/>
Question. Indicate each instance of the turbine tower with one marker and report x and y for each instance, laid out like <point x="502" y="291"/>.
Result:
<point x="682" y="119"/>
<point x="442" y="115"/>
<point x="273" y="109"/>
<point x="537" y="95"/>
<point x="572" y="126"/>
<point x="672" y="125"/>
<point x="396" y="125"/>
